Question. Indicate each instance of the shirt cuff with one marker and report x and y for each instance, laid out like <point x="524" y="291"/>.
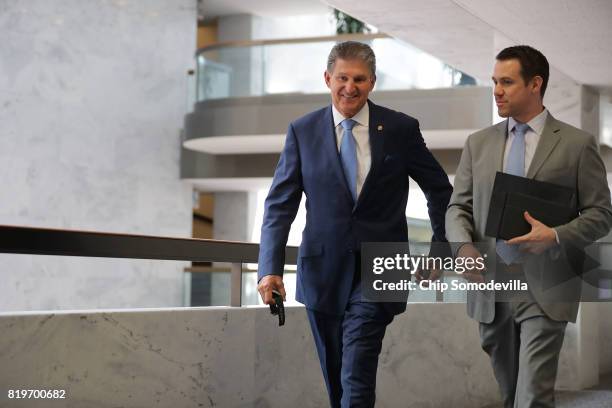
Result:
<point x="555" y="251"/>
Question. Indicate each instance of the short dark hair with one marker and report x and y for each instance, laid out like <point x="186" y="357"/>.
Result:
<point x="348" y="50"/>
<point x="533" y="63"/>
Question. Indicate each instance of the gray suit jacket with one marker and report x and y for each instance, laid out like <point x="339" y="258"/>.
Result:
<point x="566" y="156"/>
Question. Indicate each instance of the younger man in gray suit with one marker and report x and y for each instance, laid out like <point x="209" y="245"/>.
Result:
<point x="524" y="338"/>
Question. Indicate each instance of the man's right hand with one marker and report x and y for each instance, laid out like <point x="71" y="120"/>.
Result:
<point x="269" y="283"/>
<point x="473" y="274"/>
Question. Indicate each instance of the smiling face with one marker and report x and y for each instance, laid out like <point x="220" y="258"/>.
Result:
<point x="513" y="97"/>
<point x="350" y="84"/>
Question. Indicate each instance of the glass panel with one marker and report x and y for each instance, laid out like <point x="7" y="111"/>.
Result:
<point x="43" y="283"/>
<point x="605" y="119"/>
<point x="250" y="296"/>
<point x="298" y="68"/>
<point x="52" y="283"/>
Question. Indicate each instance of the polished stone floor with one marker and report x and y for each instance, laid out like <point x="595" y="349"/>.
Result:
<point x="596" y="397"/>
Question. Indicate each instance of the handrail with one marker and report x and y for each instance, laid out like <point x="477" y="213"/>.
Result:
<point x="255" y="43"/>
<point x="215" y="269"/>
<point x="49" y="241"/>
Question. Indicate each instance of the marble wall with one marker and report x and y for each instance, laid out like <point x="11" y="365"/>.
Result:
<point x="605" y="337"/>
<point x="231" y="357"/>
<point x="92" y="98"/>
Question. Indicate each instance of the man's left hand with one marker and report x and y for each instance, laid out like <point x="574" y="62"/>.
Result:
<point x="538" y="240"/>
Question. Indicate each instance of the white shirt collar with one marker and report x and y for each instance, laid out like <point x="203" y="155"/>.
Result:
<point x="362" y="117"/>
<point x="536" y="124"/>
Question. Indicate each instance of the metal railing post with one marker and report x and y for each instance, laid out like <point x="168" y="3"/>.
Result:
<point x="236" y="284"/>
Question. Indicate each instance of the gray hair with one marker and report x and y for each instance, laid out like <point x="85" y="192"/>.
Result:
<point x="352" y="50"/>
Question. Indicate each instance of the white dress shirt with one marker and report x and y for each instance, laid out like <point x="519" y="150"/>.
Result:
<point x="362" y="141"/>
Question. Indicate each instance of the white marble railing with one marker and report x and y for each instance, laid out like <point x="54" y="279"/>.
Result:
<point x="230" y="357"/>
<point x="235" y="357"/>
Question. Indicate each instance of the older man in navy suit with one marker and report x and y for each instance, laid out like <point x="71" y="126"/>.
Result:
<point x="352" y="160"/>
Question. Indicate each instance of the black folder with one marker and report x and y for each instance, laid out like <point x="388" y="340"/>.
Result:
<point x="549" y="203"/>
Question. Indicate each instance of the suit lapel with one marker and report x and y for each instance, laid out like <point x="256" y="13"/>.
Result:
<point x="375" y="130"/>
<point x="494" y="150"/>
<point x="499" y="144"/>
<point x="501" y="135"/>
<point x="548" y="140"/>
<point x="330" y="149"/>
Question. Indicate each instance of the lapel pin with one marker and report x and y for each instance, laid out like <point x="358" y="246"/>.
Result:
<point x="380" y="127"/>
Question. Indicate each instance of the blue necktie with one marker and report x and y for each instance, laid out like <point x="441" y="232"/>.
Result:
<point x="348" y="156"/>
<point x="515" y="165"/>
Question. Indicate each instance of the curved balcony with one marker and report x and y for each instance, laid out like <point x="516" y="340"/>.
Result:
<point x="289" y="66"/>
<point x="245" y="94"/>
<point x="248" y="92"/>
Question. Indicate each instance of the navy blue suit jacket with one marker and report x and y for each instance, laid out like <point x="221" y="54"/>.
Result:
<point x="335" y="226"/>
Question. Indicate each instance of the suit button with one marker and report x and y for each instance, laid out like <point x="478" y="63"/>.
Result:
<point x="350" y="251"/>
